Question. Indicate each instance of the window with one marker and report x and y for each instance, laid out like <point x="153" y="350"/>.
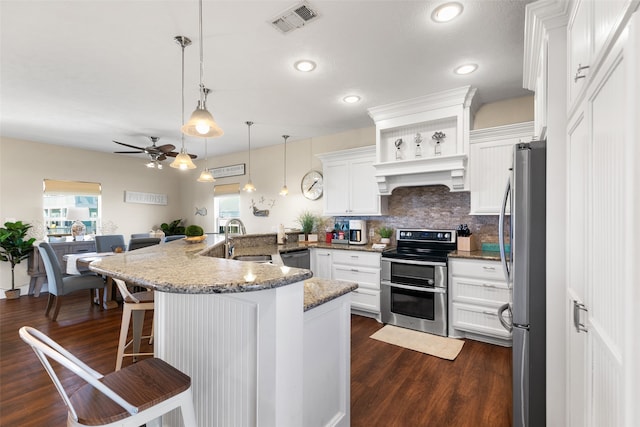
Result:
<point x="226" y="205"/>
<point x="67" y="201"/>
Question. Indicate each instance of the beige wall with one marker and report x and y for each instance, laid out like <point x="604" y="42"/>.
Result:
<point x="24" y="165"/>
<point x="508" y="111"/>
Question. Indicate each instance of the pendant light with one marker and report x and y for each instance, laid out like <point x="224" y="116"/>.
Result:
<point x="249" y="187"/>
<point x="201" y="123"/>
<point x="284" y="191"/>
<point x="206" y="176"/>
<point x="183" y="160"/>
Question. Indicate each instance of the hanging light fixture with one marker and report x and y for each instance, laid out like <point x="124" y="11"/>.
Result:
<point x="249" y="187"/>
<point x="205" y="175"/>
<point x="284" y="191"/>
<point x="183" y="160"/>
<point x="201" y="123"/>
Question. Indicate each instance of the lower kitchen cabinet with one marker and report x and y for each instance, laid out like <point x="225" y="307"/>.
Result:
<point x="360" y="267"/>
<point x="477" y="290"/>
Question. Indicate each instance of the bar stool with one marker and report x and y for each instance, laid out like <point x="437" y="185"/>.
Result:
<point x="134" y="306"/>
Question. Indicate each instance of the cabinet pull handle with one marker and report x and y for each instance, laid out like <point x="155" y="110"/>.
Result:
<point x="578" y="76"/>
<point x="355" y="270"/>
<point x="490" y="313"/>
<point x="484" y="267"/>
<point x="577" y="308"/>
<point x="355" y="256"/>
<point x="486" y="285"/>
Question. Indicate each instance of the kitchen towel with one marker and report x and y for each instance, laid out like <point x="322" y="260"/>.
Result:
<point x="445" y="348"/>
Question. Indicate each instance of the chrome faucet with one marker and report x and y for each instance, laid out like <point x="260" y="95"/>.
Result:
<point x="229" y="247"/>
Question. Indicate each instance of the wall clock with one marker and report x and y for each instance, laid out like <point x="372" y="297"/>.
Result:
<point x="312" y="185"/>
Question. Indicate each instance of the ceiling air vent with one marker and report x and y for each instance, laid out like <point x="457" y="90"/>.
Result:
<point x="296" y="16"/>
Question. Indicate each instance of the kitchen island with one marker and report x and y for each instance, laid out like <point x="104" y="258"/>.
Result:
<point x="240" y="330"/>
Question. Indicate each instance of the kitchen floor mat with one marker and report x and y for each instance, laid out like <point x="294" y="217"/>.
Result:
<point x="445" y="348"/>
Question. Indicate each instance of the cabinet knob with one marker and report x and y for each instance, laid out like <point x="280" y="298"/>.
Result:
<point x="579" y="76"/>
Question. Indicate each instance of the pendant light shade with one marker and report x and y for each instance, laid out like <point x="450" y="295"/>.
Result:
<point x="249" y="187"/>
<point x="205" y="175"/>
<point x="284" y="190"/>
<point x="202" y="123"/>
<point x="183" y="160"/>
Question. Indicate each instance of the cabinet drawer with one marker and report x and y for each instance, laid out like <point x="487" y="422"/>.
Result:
<point x="483" y="292"/>
<point x="477" y="269"/>
<point x="363" y="276"/>
<point x="360" y="258"/>
<point x="480" y="320"/>
<point x="366" y="299"/>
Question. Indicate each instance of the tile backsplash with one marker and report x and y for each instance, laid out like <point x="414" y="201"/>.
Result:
<point x="434" y="207"/>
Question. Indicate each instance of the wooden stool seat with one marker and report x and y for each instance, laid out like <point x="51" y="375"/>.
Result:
<point x="145" y="384"/>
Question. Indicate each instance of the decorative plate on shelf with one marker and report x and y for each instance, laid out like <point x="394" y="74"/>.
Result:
<point x="195" y="239"/>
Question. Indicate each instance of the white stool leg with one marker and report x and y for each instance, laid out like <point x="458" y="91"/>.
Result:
<point x="124" y="330"/>
<point x="187" y="409"/>
<point x="138" y="323"/>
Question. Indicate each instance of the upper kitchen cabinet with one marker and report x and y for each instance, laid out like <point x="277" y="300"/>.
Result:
<point x="491" y="155"/>
<point x="350" y="187"/>
<point x="593" y="26"/>
<point x="424" y="141"/>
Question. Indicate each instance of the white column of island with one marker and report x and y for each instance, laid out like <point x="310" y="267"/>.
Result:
<point x="264" y="345"/>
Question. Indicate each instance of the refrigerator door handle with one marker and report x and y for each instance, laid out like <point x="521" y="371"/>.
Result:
<point x="507" y="325"/>
<point x="503" y="214"/>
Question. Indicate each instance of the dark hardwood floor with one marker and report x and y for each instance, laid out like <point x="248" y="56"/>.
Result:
<point x="390" y="386"/>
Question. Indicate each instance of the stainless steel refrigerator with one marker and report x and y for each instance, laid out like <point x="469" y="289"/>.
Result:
<point x="525" y="271"/>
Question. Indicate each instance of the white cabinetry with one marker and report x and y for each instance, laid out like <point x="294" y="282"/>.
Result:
<point x="490" y="157"/>
<point x="350" y="184"/>
<point x="321" y="263"/>
<point x="478" y="289"/>
<point x="360" y="267"/>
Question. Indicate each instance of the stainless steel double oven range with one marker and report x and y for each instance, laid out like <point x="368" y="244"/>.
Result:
<point x="414" y="280"/>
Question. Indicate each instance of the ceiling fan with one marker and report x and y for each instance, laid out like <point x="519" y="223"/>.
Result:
<point x="156" y="153"/>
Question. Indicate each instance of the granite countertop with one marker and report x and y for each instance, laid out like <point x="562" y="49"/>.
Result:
<point x="486" y="255"/>
<point x="296" y="246"/>
<point x="181" y="267"/>
<point x="319" y="291"/>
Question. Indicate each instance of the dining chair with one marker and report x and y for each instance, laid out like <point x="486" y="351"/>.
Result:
<point x="130" y="397"/>
<point x="109" y="243"/>
<point x="60" y="285"/>
<point x="142" y="242"/>
<point x="139" y="235"/>
<point x="174" y="237"/>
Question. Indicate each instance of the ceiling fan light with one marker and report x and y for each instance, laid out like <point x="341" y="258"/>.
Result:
<point x="284" y="191"/>
<point x="183" y="162"/>
<point x="151" y="164"/>
<point x="249" y="187"/>
<point x="202" y="124"/>
<point x="205" y="176"/>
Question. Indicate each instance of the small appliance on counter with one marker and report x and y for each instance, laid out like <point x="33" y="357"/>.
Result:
<point x="357" y="232"/>
<point x="340" y="233"/>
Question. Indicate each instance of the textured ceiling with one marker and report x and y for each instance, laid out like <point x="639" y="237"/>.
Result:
<point x="83" y="73"/>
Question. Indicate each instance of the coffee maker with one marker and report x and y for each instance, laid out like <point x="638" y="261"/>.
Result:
<point x="357" y="232"/>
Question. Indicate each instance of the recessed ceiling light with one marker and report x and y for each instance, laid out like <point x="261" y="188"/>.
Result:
<point x="446" y="12"/>
<point x="466" y="69"/>
<point x="305" y="65"/>
<point x="351" y="99"/>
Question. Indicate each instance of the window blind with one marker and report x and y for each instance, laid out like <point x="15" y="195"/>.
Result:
<point x="53" y="186"/>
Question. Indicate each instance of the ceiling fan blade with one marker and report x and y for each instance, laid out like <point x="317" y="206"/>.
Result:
<point x="128" y="152"/>
<point x="166" y="148"/>
<point x="130" y="146"/>
<point x="175" y="153"/>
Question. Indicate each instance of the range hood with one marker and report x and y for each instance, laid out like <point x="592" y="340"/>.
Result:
<point x="406" y="144"/>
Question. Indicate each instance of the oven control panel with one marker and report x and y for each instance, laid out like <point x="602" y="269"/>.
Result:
<point x="421" y="235"/>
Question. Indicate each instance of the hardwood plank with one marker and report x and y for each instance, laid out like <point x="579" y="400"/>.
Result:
<point x="390" y="385"/>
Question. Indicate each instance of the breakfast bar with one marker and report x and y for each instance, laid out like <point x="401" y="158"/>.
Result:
<point x="265" y="345"/>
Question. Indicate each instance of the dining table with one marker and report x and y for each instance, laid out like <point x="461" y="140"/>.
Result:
<point x="78" y="264"/>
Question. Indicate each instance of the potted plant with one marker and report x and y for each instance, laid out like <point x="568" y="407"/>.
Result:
<point x="385" y="234"/>
<point x="307" y="221"/>
<point x="172" y="229"/>
<point x="14" y="248"/>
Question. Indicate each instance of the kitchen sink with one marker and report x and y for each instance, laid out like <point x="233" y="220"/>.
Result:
<point x="254" y="258"/>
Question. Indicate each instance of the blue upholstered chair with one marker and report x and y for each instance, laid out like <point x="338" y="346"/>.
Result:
<point x="60" y="285"/>
<point x="143" y="242"/>
<point x="109" y="242"/>
<point x="139" y="235"/>
<point x="174" y="237"/>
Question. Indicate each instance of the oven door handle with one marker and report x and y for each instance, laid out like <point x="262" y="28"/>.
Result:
<point x="415" y="288"/>
<point x="407" y="261"/>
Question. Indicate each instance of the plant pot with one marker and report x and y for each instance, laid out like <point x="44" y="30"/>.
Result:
<point x="385" y="240"/>
<point x="12" y="293"/>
